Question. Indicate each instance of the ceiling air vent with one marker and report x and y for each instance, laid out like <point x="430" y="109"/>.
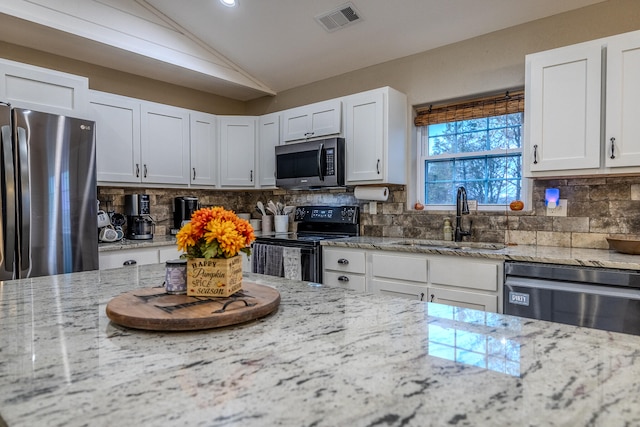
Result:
<point x="339" y="18"/>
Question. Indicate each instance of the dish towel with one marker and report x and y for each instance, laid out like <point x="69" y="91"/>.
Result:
<point x="267" y="259"/>
<point x="292" y="264"/>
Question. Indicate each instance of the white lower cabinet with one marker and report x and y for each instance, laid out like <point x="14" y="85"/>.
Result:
<point x="141" y="256"/>
<point x="344" y="267"/>
<point x="462" y="281"/>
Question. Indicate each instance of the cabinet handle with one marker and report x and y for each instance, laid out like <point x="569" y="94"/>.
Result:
<point x="378" y="167"/>
<point x="194" y="174"/>
<point x="145" y="170"/>
<point x="251" y="175"/>
<point x="308" y="134"/>
<point x="535" y="154"/>
<point x="422" y="296"/>
<point x="137" y="170"/>
<point x="343" y="261"/>
<point x="343" y="278"/>
<point x="432" y="297"/>
<point x="613" y="147"/>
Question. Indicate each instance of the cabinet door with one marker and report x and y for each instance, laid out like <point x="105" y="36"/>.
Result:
<point x="398" y="289"/>
<point x="312" y="121"/>
<point x="406" y="268"/>
<point x="344" y="260"/>
<point x="117" y="137"/>
<point x="562" y="123"/>
<point x="623" y="101"/>
<point x="268" y="138"/>
<point x="357" y="282"/>
<point x="475" y="300"/>
<point x="41" y="89"/>
<point x="204" y="149"/>
<point x="364" y="135"/>
<point x="237" y="151"/>
<point x="164" y="144"/>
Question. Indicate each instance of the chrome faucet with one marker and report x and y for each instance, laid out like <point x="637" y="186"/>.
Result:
<point x="462" y="208"/>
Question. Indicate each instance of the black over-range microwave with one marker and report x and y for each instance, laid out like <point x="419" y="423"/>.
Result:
<point x="311" y="164"/>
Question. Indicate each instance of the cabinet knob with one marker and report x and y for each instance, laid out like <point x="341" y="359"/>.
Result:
<point x="613" y="147"/>
<point x="422" y="296"/>
<point x="343" y="261"/>
<point x="343" y="278"/>
<point x="432" y="297"/>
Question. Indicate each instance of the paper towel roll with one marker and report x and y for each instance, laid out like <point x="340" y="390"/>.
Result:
<point x="371" y="193"/>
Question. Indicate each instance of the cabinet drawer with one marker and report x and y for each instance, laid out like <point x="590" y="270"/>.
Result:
<point x="465" y="273"/>
<point x="352" y="261"/>
<point x="344" y="280"/>
<point x="399" y="267"/>
<point x="397" y="289"/>
<point x="475" y="300"/>
<point x="115" y="259"/>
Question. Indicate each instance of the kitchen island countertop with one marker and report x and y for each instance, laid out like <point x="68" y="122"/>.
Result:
<point x="327" y="357"/>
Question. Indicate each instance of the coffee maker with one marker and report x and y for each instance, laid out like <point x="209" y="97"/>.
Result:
<point x="140" y="225"/>
<point x="183" y="207"/>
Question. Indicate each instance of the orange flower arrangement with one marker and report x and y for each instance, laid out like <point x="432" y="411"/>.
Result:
<point x="215" y="233"/>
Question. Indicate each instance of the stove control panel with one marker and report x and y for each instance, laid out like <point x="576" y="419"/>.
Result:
<point x="333" y="214"/>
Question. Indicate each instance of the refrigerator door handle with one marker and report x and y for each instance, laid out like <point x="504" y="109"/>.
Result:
<point x="9" y="201"/>
<point x="25" y="197"/>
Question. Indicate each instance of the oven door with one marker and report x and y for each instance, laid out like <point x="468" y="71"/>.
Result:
<point x="287" y="259"/>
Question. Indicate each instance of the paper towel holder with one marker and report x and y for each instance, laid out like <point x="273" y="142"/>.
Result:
<point x="376" y="193"/>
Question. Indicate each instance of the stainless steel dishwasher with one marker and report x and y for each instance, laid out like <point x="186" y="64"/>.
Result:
<point x="599" y="298"/>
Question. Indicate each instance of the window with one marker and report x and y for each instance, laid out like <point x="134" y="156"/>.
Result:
<point x="476" y="144"/>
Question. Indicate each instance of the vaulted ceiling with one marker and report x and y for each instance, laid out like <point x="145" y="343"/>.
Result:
<point x="261" y="46"/>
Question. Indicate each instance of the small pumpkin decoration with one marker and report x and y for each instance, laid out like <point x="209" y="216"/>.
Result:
<point x="516" y="205"/>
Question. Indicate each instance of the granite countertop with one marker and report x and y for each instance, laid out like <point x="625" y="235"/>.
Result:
<point x="158" y="240"/>
<point x="327" y="357"/>
<point x="529" y="253"/>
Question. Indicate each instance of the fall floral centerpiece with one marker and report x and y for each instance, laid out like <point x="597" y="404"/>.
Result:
<point x="212" y="242"/>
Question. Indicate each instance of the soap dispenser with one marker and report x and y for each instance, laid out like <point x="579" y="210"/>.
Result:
<point x="447" y="229"/>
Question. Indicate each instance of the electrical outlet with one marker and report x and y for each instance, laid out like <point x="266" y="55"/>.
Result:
<point x="473" y="205"/>
<point x="373" y="208"/>
<point x="560" y="210"/>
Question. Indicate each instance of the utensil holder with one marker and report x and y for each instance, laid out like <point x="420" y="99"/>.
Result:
<point x="267" y="224"/>
<point x="281" y="223"/>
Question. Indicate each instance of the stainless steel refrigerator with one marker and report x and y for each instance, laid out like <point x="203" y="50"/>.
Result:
<point x="48" y="200"/>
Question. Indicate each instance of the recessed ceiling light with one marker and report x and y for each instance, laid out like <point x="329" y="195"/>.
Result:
<point x="229" y="3"/>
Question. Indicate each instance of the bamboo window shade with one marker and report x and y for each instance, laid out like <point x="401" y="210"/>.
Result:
<point x="505" y="103"/>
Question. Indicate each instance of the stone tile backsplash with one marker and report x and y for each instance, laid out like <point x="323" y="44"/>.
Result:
<point x="597" y="208"/>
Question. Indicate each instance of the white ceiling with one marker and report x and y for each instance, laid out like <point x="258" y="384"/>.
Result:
<point x="280" y="43"/>
<point x="261" y="46"/>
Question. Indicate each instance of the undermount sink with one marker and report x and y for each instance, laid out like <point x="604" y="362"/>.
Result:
<point x="461" y="246"/>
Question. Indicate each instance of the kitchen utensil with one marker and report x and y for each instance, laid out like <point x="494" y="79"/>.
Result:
<point x="260" y="206"/>
<point x="271" y="207"/>
<point x="288" y="209"/>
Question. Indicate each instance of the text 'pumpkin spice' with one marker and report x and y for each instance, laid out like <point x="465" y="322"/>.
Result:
<point x="212" y="241"/>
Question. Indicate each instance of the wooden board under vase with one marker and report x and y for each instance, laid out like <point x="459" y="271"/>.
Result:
<point x="154" y="309"/>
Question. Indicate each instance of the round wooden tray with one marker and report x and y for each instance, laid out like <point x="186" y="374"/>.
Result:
<point x="154" y="309"/>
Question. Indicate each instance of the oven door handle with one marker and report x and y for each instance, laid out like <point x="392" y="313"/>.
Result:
<point x="320" y="151"/>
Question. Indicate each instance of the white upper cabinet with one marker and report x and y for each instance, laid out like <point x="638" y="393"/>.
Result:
<point x="164" y="144"/>
<point x="562" y="108"/>
<point x="268" y="138"/>
<point x="204" y="149"/>
<point x="313" y="121"/>
<point x="237" y="151"/>
<point x="41" y="89"/>
<point x="117" y="137"/>
<point x="622" y="132"/>
<point x="140" y="142"/>
<point x="566" y="116"/>
<point x="376" y="135"/>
